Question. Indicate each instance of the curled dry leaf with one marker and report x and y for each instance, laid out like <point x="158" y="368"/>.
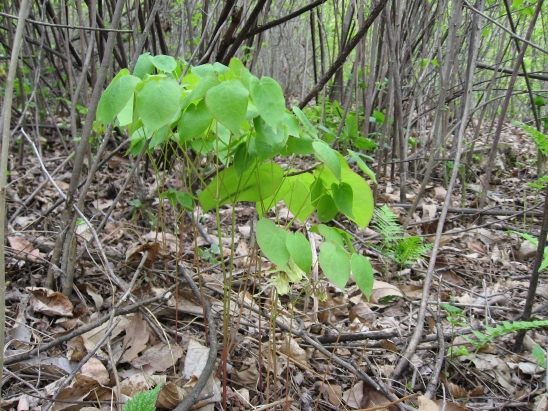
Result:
<point x="95" y="296"/>
<point x="136" y="338"/>
<point x="24" y="247"/>
<point x="96" y="370"/>
<point x="170" y="396"/>
<point x="384" y="292"/>
<point x="195" y="360"/>
<point x="50" y="302"/>
<point x="158" y="358"/>
<point x="293" y="350"/>
<point x="455" y="390"/>
<point x="247" y="374"/>
<point x="541" y="403"/>
<point x="80" y="387"/>
<point x="426" y="404"/>
<point x="332" y="393"/>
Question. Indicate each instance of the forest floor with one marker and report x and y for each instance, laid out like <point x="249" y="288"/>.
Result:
<point x="273" y="353"/>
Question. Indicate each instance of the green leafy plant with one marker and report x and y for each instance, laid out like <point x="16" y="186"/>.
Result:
<point x="455" y="317"/>
<point x="396" y="244"/>
<point x="242" y="122"/>
<point x="143" y="401"/>
<point x="502" y="329"/>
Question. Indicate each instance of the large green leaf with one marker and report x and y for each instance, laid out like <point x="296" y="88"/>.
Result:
<point x="269" y="99"/>
<point x="335" y="264"/>
<point x="363" y="273"/>
<point x="343" y="196"/>
<point x="158" y="101"/>
<point x="200" y="89"/>
<point x="272" y="240"/>
<point x="194" y="121"/>
<point x="236" y="66"/>
<point x="300" y="251"/>
<point x="254" y="185"/>
<point x="301" y="145"/>
<point x="331" y="234"/>
<point x="329" y="157"/>
<point x="267" y="142"/>
<point x="144" y="66"/>
<point x="362" y="204"/>
<point x="165" y="63"/>
<point x="203" y="70"/>
<point x="243" y="159"/>
<point x="116" y="96"/>
<point x="297" y="198"/>
<point x="292" y="125"/>
<point x="227" y="103"/>
<point x="327" y="209"/>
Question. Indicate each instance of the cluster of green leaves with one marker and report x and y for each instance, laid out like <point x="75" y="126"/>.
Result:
<point x="293" y="257"/>
<point x="243" y="121"/>
<point x="396" y="244"/>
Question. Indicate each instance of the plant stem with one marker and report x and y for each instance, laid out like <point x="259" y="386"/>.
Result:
<point x="4" y="159"/>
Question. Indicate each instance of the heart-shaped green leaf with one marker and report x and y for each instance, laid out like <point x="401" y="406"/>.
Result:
<point x="158" y="101"/>
<point x="116" y="96"/>
<point x="194" y="121"/>
<point x="328" y="156"/>
<point x="227" y="103"/>
<point x="271" y="239"/>
<point x="335" y="264"/>
<point x="269" y="99"/>
<point x="363" y="273"/>
<point x="300" y="251"/>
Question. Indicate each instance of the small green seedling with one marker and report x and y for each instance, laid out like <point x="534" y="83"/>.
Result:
<point x="143" y="401"/>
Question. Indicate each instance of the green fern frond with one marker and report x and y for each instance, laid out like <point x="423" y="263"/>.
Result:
<point x="410" y="249"/>
<point x="505" y="328"/>
<point x="387" y="223"/>
<point x="540" y="139"/>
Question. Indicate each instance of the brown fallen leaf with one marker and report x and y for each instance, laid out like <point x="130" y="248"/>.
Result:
<point x="195" y="360"/>
<point x="293" y="350"/>
<point x="170" y="396"/>
<point x="96" y="370"/>
<point x="384" y="292"/>
<point x="50" y="302"/>
<point x="332" y="393"/>
<point x="158" y="358"/>
<point x="136" y="338"/>
<point x="426" y="404"/>
<point x="25" y="247"/>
